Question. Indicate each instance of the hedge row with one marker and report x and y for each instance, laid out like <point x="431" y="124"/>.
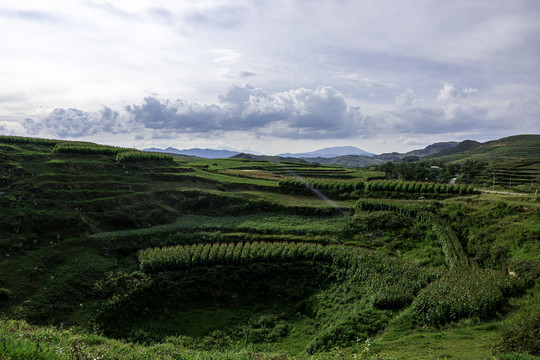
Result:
<point x="74" y="148"/>
<point x="393" y="283"/>
<point x="418" y="187"/>
<point x="26" y="140"/>
<point x="355" y="189"/>
<point x="136" y="156"/>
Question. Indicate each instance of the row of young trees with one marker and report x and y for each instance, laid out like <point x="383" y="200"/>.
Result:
<point x="353" y="189"/>
<point x="123" y="155"/>
<point x="7" y="139"/>
<point x="393" y="283"/>
<point x="136" y="156"/>
<point x="87" y="148"/>
<point x="332" y="188"/>
<point x="418" y="187"/>
<point x="433" y="171"/>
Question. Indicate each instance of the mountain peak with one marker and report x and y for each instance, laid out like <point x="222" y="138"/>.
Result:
<point x="330" y="152"/>
<point x="204" y="153"/>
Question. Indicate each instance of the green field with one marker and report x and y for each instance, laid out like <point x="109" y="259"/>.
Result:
<point x="113" y="253"/>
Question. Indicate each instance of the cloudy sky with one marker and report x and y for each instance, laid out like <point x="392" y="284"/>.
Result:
<point x="270" y="76"/>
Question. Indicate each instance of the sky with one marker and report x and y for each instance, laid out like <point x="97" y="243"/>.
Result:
<point x="270" y="76"/>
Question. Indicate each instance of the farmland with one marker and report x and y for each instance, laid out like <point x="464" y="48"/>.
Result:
<point x="114" y="253"/>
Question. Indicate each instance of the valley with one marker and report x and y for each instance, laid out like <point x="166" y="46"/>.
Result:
<point x="115" y="253"/>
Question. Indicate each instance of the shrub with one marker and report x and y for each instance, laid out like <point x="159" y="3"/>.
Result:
<point x="464" y="293"/>
<point x="137" y="156"/>
<point x="27" y="140"/>
<point x="521" y="333"/>
<point x="87" y="148"/>
<point x="393" y="283"/>
<point x="5" y="294"/>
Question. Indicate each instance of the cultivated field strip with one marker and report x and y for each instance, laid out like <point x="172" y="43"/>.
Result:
<point x="453" y="251"/>
<point x="393" y="282"/>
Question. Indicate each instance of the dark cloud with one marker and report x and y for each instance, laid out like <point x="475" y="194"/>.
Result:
<point x="239" y="74"/>
<point x="300" y="113"/>
<point x="246" y="74"/>
<point x="75" y="123"/>
<point x="180" y="116"/>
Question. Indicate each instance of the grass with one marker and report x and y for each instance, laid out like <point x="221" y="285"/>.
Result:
<point x="265" y="223"/>
<point x="72" y="222"/>
<point x="461" y="342"/>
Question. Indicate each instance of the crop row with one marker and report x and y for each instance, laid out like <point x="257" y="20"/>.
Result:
<point x="334" y="189"/>
<point x="418" y="187"/>
<point x="393" y="283"/>
<point x="464" y="293"/>
<point x="136" y="156"/>
<point x="26" y="140"/>
<point x="352" y="189"/>
<point x="74" y="148"/>
<point x="451" y="246"/>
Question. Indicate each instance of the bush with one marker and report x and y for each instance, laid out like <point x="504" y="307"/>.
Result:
<point x="87" y="149"/>
<point x="521" y="333"/>
<point x="27" y="140"/>
<point x="464" y="293"/>
<point x="5" y="294"/>
<point x="137" y="156"/>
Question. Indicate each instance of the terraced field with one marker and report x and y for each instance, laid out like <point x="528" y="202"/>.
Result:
<point x="147" y="256"/>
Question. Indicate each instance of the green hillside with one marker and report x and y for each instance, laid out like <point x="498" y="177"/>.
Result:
<point x="505" y="149"/>
<point x="114" y="253"/>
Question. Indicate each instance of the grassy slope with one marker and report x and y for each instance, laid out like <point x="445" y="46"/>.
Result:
<point x="505" y="149"/>
<point x="53" y="201"/>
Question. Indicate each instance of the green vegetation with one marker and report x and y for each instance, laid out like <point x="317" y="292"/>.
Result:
<point x="86" y="148"/>
<point x="135" y="156"/>
<point x="114" y="253"/>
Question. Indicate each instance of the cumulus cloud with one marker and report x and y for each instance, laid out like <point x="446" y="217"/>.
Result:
<point x="319" y="113"/>
<point x="75" y="123"/>
<point x="179" y="115"/>
<point x="451" y="111"/>
<point x="407" y="99"/>
<point x="305" y="113"/>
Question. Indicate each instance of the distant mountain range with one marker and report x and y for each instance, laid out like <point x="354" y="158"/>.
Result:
<point x="324" y="156"/>
<point x="204" y="153"/>
<point x="330" y="152"/>
<point x="525" y="146"/>
<point x="362" y="161"/>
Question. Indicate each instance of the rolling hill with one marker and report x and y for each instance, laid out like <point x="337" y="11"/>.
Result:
<point x="113" y="253"/>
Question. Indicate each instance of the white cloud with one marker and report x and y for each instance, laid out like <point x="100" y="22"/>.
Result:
<point x="383" y="55"/>
<point x="407" y="99"/>
<point x="226" y="56"/>
<point x="366" y="81"/>
<point x="75" y="123"/>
